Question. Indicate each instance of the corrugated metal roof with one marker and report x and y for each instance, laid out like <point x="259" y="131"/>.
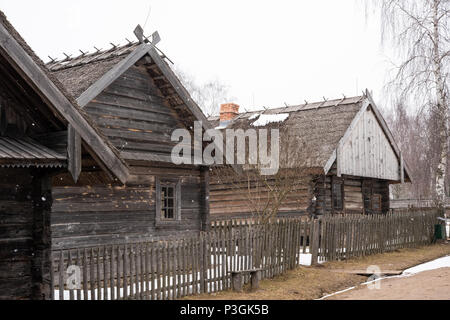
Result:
<point x="25" y="152"/>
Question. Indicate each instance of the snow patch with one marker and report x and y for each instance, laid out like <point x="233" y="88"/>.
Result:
<point x="265" y="119"/>
<point x="306" y="259"/>
<point x="253" y="117"/>
<point x="336" y="293"/>
<point x="432" y="265"/>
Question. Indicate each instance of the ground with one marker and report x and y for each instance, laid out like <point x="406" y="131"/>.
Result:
<point x="428" y="285"/>
<point x="309" y="283"/>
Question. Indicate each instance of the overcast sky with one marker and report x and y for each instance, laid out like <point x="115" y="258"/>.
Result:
<point x="268" y="52"/>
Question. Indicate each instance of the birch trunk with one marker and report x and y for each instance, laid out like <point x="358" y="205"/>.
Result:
<point x="442" y="109"/>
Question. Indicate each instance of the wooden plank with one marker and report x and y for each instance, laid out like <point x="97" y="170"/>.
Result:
<point x="153" y="270"/>
<point x="132" y="271"/>
<point x="62" y="271"/>
<point x="223" y="260"/>
<point x="189" y="265"/>
<point x="125" y="272"/>
<point x="170" y="263"/>
<point x="105" y="274"/>
<point x="386" y="129"/>
<point x="98" y="276"/>
<point x="74" y="153"/>
<point x="314" y="242"/>
<point x="179" y="274"/>
<point x="85" y="275"/>
<point x="196" y="269"/>
<point x="185" y="270"/>
<point x="402" y="169"/>
<point x="119" y="270"/>
<point x="112" y="282"/>
<point x="92" y="279"/>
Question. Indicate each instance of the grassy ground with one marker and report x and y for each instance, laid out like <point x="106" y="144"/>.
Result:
<point x="308" y="283"/>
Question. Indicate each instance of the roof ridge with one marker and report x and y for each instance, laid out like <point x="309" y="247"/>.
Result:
<point x="87" y="57"/>
<point x="321" y="104"/>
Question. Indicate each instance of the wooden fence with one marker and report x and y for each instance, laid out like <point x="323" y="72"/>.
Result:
<point x="355" y="236"/>
<point x="171" y="269"/>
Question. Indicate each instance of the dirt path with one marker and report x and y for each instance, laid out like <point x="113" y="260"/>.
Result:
<point x="428" y="285"/>
<point x="314" y="283"/>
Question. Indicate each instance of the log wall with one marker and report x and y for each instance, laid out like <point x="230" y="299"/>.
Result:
<point x="95" y="214"/>
<point x="356" y="190"/>
<point x="134" y="115"/>
<point x="231" y="200"/>
<point x="25" y="237"/>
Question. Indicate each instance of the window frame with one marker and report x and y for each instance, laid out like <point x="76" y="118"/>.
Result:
<point x="176" y="185"/>
<point x="367" y="190"/>
<point x="377" y="199"/>
<point x="337" y="181"/>
<point x="371" y="199"/>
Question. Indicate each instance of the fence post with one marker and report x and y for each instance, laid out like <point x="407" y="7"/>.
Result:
<point x="315" y="242"/>
<point x="205" y="256"/>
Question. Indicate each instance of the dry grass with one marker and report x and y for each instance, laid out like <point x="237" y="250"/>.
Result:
<point x="397" y="260"/>
<point x="299" y="284"/>
<point x="308" y="283"/>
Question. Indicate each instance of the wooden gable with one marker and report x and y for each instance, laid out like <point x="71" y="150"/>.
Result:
<point x="133" y="113"/>
<point x="135" y="97"/>
<point x="367" y="150"/>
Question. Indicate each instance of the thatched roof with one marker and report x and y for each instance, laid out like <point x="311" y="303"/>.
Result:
<point x="86" y="76"/>
<point x="312" y="130"/>
<point x="79" y="73"/>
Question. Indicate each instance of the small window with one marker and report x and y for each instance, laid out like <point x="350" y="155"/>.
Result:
<point x="338" y="196"/>
<point x="168" y="202"/>
<point x="367" y="189"/>
<point x="376" y="203"/>
<point x="367" y="204"/>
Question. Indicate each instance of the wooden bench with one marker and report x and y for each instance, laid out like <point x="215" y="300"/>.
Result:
<point x="237" y="279"/>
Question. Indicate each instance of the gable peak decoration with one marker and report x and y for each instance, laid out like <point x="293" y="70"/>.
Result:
<point x="139" y="33"/>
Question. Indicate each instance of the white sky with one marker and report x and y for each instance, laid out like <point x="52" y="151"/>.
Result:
<point x="268" y="52"/>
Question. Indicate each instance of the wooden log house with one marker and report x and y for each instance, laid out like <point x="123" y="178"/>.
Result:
<point x="34" y="108"/>
<point x="85" y="156"/>
<point x="348" y="149"/>
<point x="136" y="101"/>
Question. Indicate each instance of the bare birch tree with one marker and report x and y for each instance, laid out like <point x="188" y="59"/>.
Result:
<point x="419" y="30"/>
<point x="415" y="135"/>
<point x="209" y="95"/>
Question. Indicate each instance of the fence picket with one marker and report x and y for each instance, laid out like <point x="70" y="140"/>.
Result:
<point x="174" y="268"/>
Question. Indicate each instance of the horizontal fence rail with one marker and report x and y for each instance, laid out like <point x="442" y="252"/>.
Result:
<point x="175" y="268"/>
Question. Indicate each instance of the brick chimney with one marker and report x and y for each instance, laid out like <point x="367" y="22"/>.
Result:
<point x="228" y="112"/>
